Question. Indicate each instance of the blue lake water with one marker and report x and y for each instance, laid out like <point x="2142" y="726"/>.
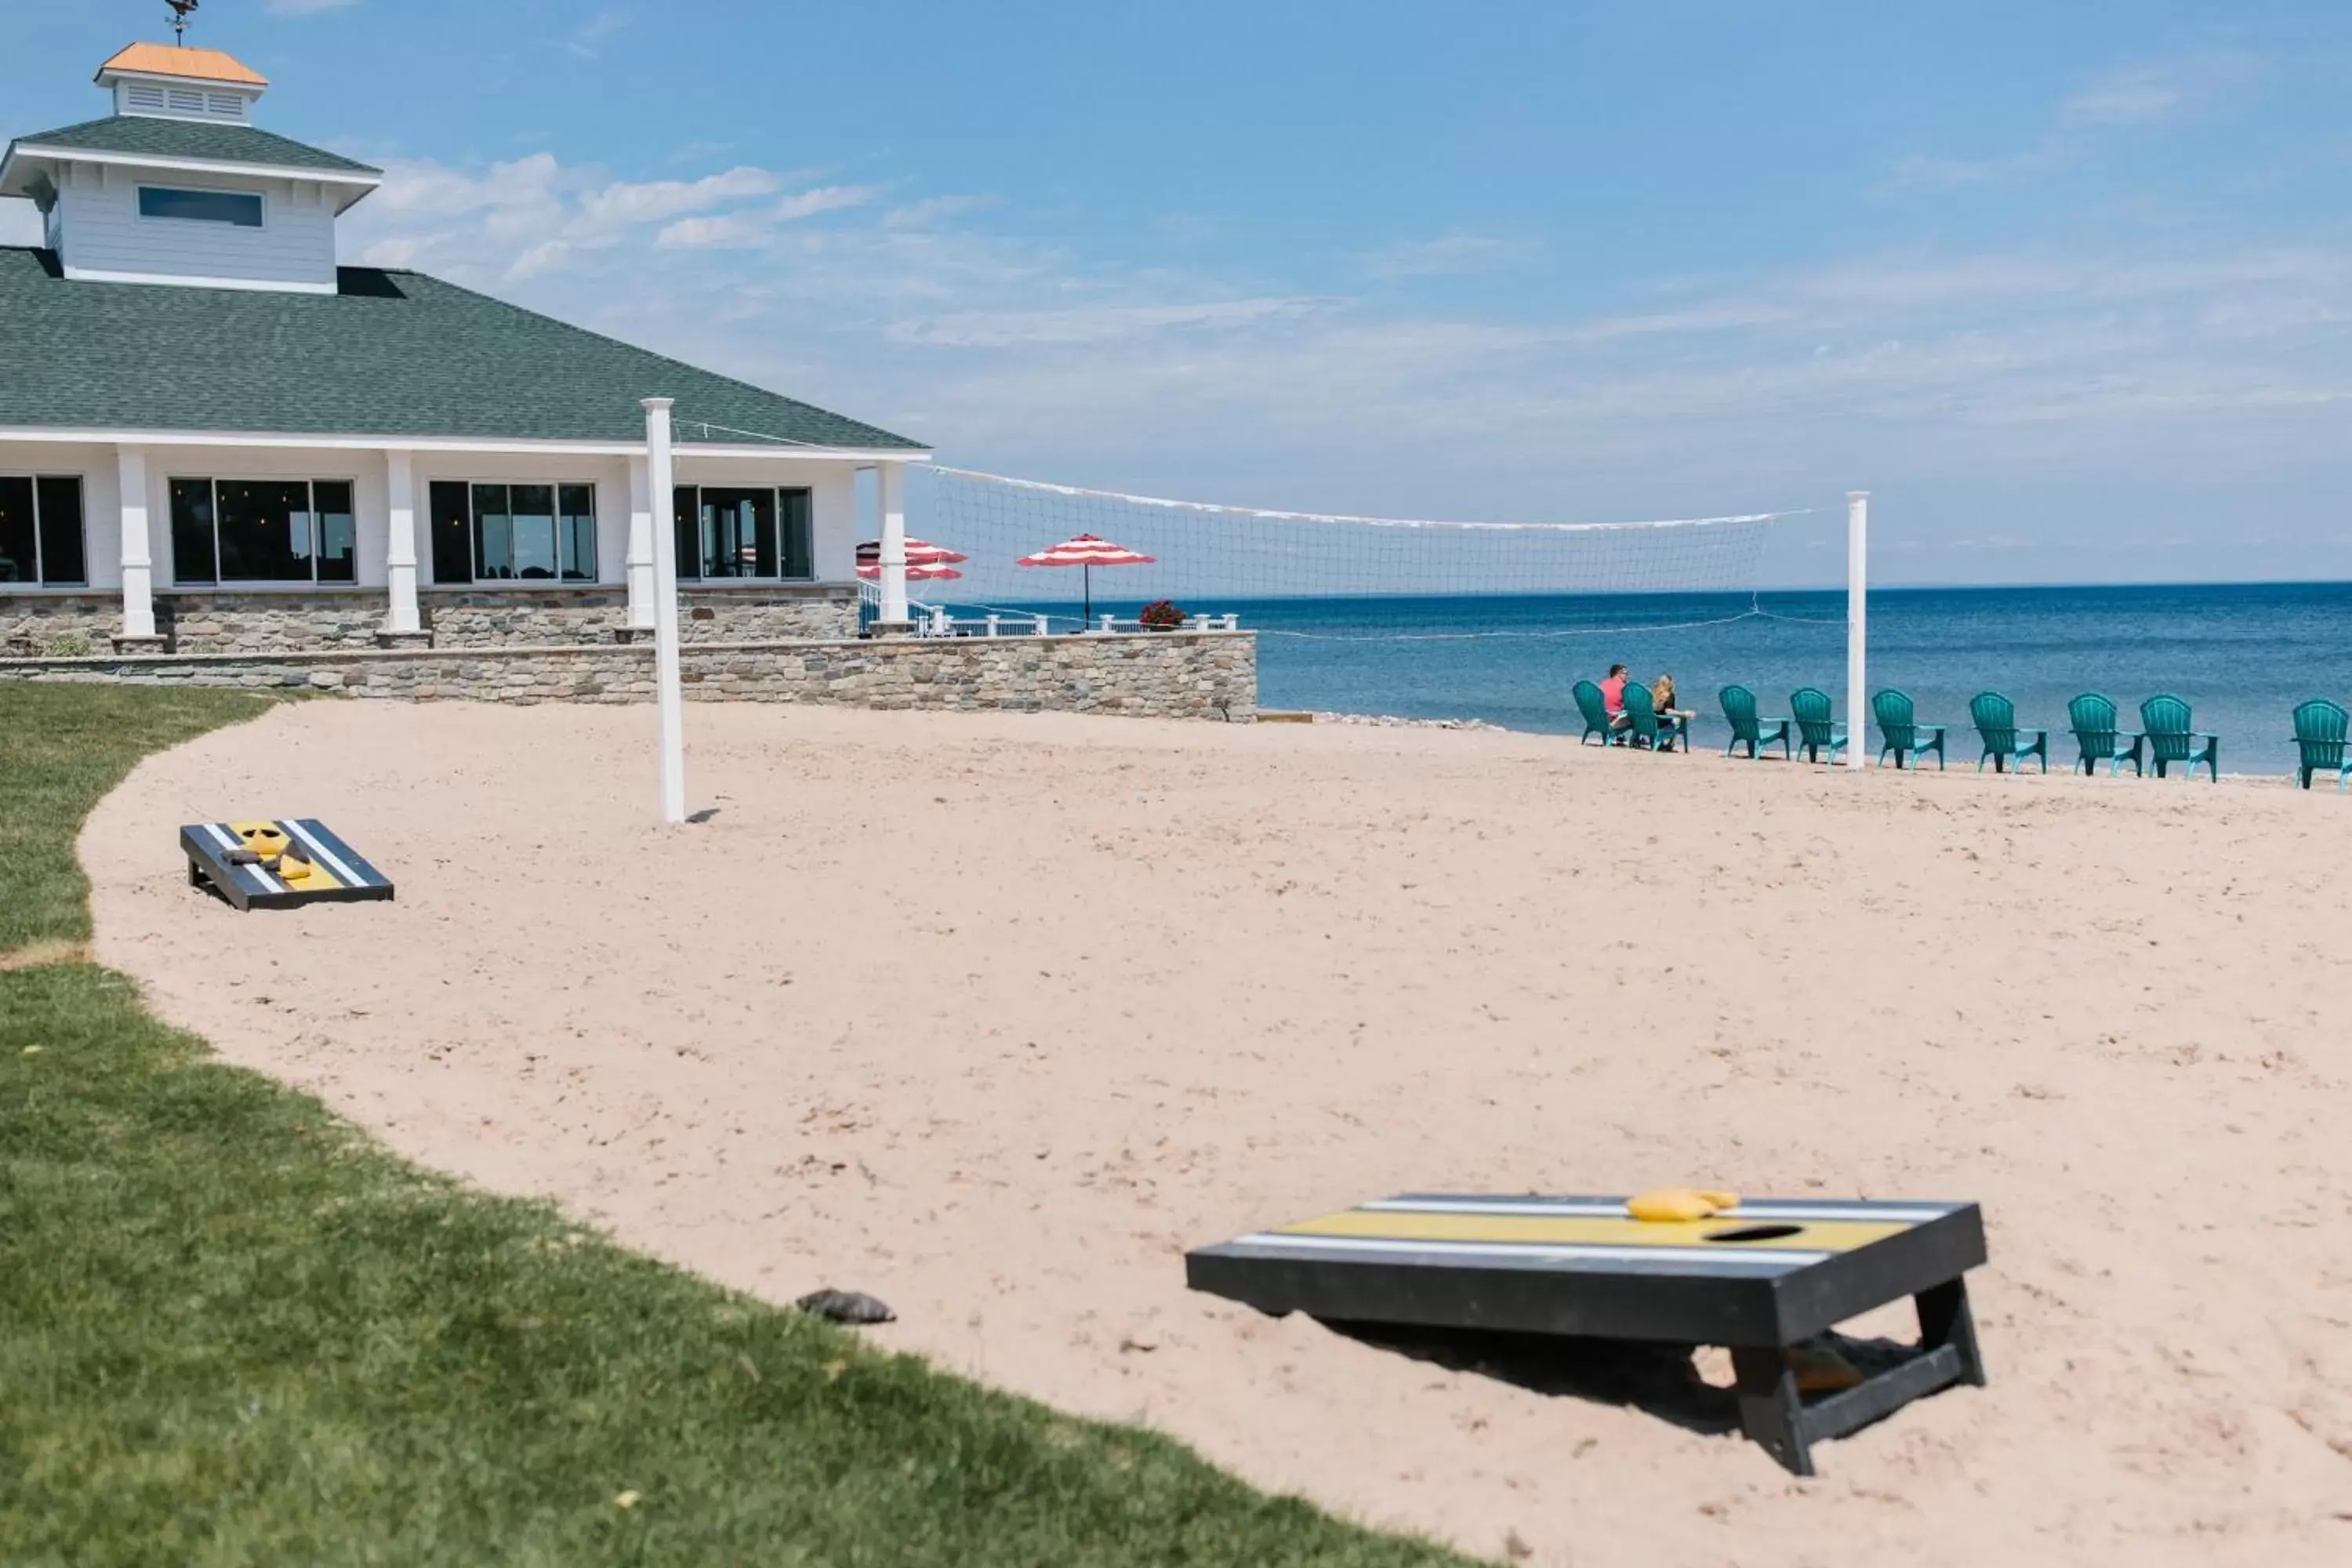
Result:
<point x="2242" y="655"/>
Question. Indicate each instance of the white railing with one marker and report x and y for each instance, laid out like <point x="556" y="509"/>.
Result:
<point x="937" y="621"/>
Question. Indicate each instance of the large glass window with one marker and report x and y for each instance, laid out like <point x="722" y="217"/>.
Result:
<point x="737" y="532"/>
<point x="40" y="530"/>
<point x="484" y="532"/>
<point x="240" y="209"/>
<point x="453" y="532"/>
<point x="263" y="530"/>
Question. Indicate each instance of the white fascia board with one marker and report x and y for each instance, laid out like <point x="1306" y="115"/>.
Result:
<point x="114" y="74"/>
<point x="80" y="436"/>
<point x="193" y="166"/>
<point x="351" y="186"/>
<point x="253" y="285"/>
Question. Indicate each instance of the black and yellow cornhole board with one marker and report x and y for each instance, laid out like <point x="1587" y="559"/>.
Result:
<point x="1756" y="1278"/>
<point x="275" y="865"/>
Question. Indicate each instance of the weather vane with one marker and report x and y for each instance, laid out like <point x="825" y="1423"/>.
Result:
<point x="180" y="9"/>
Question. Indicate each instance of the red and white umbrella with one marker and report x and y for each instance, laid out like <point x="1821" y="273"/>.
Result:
<point x="1086" y="551"/>
<point x="872" y="570"/>
<point x="918" y="554"/>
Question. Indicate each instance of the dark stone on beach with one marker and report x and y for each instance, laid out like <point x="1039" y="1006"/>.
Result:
<point x="847" y="1307"/>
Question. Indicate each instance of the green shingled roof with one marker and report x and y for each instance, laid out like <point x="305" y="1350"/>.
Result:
<point x="155" y="138"/>
<point x="394" y="354"/>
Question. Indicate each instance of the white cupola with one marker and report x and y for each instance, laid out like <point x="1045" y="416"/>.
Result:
<point x="171" y="81"/>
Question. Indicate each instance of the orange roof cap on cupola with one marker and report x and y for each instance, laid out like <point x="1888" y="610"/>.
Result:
<point x="173" y="60"/>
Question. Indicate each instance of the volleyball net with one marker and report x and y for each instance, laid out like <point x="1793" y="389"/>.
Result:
<point x="1212" y="558"/>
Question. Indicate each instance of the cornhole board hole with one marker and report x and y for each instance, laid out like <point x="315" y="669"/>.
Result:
<point x="276" y="865"/>
<point x="1757" y="1279"/>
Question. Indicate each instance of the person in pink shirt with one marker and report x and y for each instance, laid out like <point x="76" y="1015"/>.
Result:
<point x="1612" y="696"/>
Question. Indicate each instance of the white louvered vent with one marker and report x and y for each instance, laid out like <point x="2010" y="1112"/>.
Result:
<point x="182" y="102"/>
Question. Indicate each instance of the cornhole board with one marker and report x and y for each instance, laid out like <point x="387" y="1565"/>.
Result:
<point x="1756" y="1280"/>
<point x="339" y="874"/>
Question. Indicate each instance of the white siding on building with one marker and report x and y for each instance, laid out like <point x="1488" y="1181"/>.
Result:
<point x="99" y="229"/>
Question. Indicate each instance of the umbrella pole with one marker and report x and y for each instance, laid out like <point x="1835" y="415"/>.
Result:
<point x="1087" y="571"/>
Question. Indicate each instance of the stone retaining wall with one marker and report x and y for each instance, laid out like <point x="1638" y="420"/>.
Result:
<point x="815" y="611"/>
<point x="522" y="617"/>
<point x="1175" y="675"/>
<point x="64" y="625"/>
<point x="230" y="621"/>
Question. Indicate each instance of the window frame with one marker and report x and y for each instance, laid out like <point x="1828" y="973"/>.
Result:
<point x="40" y="577"/>
<point x="776" y="494"/>
<point x="139" y="208"/>
<point x="473" y="579"/>
<point x="310" y="483"/>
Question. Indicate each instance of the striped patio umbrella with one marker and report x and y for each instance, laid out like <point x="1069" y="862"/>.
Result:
<point x="926" y="572"/>
<point x="1086" y="552"/>
<point x="919" y="553"/>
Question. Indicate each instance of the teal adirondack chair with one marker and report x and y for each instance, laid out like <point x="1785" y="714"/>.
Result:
<point x="2093" y="719"/>
<point x="2166" y="721"/>
<point x="1641" y="725"/>
<point x="1900" y="731"/>
<point x="1995" y="716"/>
<point x="1594" y="708"/>
<point x="2319" y="733"/>
<point x="1817" y="731"/>
<point x="1747" y="730"/>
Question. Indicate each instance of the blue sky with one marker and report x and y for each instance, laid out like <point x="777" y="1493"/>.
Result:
<point x="2066" y="287"/>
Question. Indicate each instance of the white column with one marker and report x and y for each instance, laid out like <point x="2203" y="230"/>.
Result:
<point x="138" y="564"/>
<point x="891" y="497"/>
<point x="669" y="693"/>
<point x="1857" y="628"/>
<point x="642" y="534"/>
<point x="400" y="542"/>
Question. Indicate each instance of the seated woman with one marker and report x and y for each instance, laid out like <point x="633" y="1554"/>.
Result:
<point x="1662" y="697"/>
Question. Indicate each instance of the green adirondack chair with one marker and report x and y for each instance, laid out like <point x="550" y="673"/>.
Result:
<point x="1594" y="708"/>
<point x="1817" y="731"/>
<point x="2319" y="733"/>
<point x="1643" y="727"/>
<point x="1900" y="731"/>
<point x="1747" y="730"/>
<point x="1995" y="716"/>
<point x="2166" y="720"/>
<point x="2093" y="719"/>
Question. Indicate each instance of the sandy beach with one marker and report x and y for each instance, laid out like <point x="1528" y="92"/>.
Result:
<point x="996" y="1016"/>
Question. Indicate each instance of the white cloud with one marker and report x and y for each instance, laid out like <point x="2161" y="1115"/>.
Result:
<point x="2162" y="91"/>
<point x="650" y="201"/>
<point x="824" y="199"/>
<point x="307" y="7"/>
<point x="711" y="233"/>
<point x="1097" y="323"/>
<point x="2131" y="98"/>
<point x="933" y="210"/>
<point x="1447" y="255"/>
<point x="587" y="39"/>
<point x="1920" y="371"/>
<point x="538" y="216"/>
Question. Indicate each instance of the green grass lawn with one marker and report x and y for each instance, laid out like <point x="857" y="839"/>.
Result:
<point x="232" y="1331"/>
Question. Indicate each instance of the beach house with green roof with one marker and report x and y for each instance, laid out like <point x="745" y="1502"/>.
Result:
<point x="216" y="439"/>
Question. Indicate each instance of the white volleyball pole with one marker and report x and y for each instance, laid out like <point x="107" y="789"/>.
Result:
<point x="669" y="696"/>
<point x="1857" y="627"/>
